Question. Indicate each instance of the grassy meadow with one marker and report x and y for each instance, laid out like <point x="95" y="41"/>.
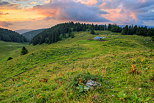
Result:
<point x="123" y="64"/>
<point x="6" y="48"/>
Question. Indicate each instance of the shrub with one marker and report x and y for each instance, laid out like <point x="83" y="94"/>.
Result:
<point x="10" y="58"/>
<point x="92" y="32"/>
<point x="24" y="51"/>
<point x="72" y="35"/>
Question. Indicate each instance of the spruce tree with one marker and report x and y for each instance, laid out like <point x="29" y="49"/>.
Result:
<point x="125" y="30"/>
<point x="92" y="31"/>
<point x="24" y="51"/>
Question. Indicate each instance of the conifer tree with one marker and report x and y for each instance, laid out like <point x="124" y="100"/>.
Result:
<point x="125" y="30"/>
<point x="92" y="31"/>
<point x="24" y="51"/>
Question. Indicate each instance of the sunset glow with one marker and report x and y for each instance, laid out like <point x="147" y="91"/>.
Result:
<point x="30" y="13"/>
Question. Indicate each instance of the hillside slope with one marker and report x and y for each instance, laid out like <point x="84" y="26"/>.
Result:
<point x="11" y="36"/>
<point x="6" y="49"/>
<point x="21" y="31"/>
<point x="56" y="73"/>
<point x="29" y="35"/>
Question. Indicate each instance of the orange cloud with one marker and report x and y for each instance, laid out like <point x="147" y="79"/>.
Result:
<point x="19" y="15"/>
<point x="47" y="1"/>
<point x="121" y="16"/>
<point x="33" y="2"/>
<point x="88" y="2"/>
<point x="46" y="12"/>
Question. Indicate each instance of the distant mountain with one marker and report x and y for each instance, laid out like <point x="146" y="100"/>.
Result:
<point x="11" y="36"/>
<point x="29" y="35"/>
<point x="23" y="31"/>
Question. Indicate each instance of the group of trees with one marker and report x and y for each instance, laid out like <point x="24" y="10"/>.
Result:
<point x="114" y="28"/>
<point x="62" y="31"/>
<point x="138" y="30"/>
<point x="65" y="30"/>
<point x="11" y="36"/>
<point x="131" y="30"/>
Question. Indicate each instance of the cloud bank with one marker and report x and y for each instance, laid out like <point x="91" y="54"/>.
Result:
<point x="113" y="11"/>
<point x="128" y="11"/>
<point x="48" y="12"/>
<point x="71" y="10"/>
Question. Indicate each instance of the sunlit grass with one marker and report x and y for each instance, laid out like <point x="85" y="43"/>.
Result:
<point x="47" y="72"/>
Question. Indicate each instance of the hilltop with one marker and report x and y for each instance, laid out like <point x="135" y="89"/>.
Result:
<point x="66" y="30"/>
<point x="122" y="64"/>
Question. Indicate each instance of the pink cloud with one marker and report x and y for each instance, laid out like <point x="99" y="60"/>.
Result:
<point x="120" y="11"/>
<point x="88" y="2"/>
<point x="71" y="11"/>
<point x="5" y="24"/>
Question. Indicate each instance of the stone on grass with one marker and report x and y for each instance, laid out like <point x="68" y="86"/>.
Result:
<point x="92" y="84"/>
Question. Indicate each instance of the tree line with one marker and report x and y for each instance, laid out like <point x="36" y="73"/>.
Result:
<point x="11" y="36"/>
<point x="138" y="30"/>
<point x="65" y="30"/>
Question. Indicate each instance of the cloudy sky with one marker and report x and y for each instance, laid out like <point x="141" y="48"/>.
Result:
<point x="35" y="14"/>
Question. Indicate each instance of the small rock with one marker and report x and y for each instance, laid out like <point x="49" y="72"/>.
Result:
<point x="91" y="83"/>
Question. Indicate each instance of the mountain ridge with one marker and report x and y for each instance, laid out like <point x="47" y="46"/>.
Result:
<point x="31" y="34"/>
<point x="11" y="36"/>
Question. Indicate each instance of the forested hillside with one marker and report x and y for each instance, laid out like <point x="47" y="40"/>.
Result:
<point x="11" y="36"/>
<point x="62" y="31"/>
<point x="29" y="35"/>
<point x="65" y="30"/>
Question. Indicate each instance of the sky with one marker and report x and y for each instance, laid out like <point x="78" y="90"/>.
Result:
<point x="36" y="14"/>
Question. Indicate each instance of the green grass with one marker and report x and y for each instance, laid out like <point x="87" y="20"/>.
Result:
<point x="62" y="63"/>
<point x="6" y="48"/>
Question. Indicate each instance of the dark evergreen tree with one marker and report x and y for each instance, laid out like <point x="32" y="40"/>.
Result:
<point x="24" y="51"/>
<point x="135" y="29"/>
<point x="109" y="27"/>
<point x="92" y="32"/>
<point x="125" y="30"/>
<point x="10" y="58"/>
<point x="115" y="28"/>
<point x="150" y="32"/>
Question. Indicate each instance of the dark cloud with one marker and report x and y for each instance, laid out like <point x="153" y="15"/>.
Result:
<point x="5" y="24"/>
<point x="3" y="3"/>
<point x="8" y="5"/>
<point x="70" y="10"/>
